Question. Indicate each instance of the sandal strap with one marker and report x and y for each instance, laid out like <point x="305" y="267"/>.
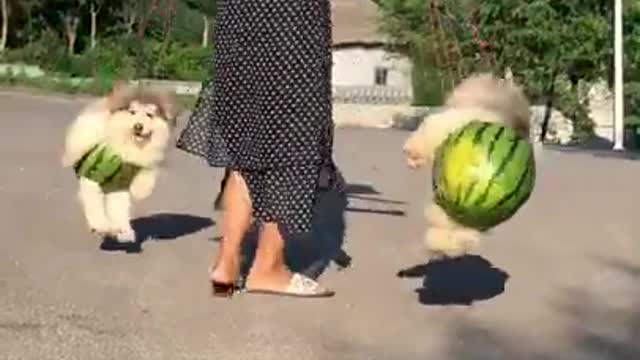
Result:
<point x="300" y="284"/>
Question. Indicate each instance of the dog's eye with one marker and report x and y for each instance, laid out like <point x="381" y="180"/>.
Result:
<point x="149" y="115"/>
<point x="132" y="112"/>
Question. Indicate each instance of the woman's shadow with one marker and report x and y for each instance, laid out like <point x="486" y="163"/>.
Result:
<point x="460" y="281"/>
<point x="311" y="254"/>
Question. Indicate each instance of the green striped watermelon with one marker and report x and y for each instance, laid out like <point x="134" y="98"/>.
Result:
<point x="98" y="164"/>
<point x="482" y="174"/>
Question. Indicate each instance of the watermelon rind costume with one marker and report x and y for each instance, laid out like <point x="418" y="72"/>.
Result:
<point x="482" y="174"/>
<point x="102" y="165"/>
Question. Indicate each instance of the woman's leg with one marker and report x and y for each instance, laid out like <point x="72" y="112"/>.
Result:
<point x="269" y="270"/>
<point x="269" y="273"/>
<point x="235" y="223"/>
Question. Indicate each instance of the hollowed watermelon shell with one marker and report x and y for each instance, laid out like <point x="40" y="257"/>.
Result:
<point x="483" y="173"/>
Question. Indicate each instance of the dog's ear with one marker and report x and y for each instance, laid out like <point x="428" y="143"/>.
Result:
<point x="120" y="95"/>
<point x="168" y="106"/>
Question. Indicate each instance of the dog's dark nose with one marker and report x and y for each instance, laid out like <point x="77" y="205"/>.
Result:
<point x="137" y="128"/>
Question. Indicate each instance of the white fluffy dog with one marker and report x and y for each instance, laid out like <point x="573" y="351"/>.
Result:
<point x="136" y="126"/>
<point x="483" y="97"/>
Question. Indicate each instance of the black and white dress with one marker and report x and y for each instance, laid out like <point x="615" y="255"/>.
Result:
<point x="267" y="111"/>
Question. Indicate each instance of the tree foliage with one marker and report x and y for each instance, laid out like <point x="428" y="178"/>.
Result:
<point x="550" y="46"/>
<point x="89" y="38"/>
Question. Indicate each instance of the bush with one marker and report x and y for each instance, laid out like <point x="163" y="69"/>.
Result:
<point x="183" y="63"/>
<point x="632" y="102"/>
<point x="122" y="57"/>
<point x="46" y="52"/>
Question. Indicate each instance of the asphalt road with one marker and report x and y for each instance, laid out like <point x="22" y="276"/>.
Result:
<point x="560" y="281"/>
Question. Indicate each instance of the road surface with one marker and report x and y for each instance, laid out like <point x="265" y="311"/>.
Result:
<point x="560" y="281"/>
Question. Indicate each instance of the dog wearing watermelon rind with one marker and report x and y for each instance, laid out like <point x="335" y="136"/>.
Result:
<point x="115" y="146"/>
<point x="480" y="115"/>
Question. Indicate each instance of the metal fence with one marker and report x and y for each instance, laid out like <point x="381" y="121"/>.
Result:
<point x="371" y="95"/>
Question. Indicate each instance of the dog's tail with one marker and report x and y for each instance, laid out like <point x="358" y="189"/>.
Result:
<point x="485" y="91"/>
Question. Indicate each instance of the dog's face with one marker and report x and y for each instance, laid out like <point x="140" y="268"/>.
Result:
<point x="140" y="124"/>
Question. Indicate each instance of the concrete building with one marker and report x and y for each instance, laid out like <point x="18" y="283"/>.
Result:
<point x="360" y="57"/>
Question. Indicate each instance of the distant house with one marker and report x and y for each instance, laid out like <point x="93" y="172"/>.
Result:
<point x="360" y="59"/>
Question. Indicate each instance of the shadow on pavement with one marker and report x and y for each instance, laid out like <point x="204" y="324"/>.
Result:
<point x="163" y="226"/>
<point x="356" y="191"/>
<point x="457" y="281"/>
<point x="600" y="324"/>
<point x="311" y="254"/>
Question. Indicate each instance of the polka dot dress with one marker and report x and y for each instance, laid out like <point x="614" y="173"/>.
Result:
<point x="267" y="110"/>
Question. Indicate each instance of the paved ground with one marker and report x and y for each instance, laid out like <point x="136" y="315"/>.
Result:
<point x="558" y="282"/>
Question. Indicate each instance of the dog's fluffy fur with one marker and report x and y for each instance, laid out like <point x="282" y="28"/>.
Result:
<point x="136" y="124"/>
<point x="479" y="97"/>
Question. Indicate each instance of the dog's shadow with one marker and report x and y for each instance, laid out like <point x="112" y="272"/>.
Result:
<point x="162" y="226"/>
<point x="460" y="281"/>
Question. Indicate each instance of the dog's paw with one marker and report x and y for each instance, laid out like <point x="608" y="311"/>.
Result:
<point x="436" y="255"/>
<point x="67" y="160"/>
<point x="415" y="159"/>
<point x="101" y="230"/>
<point x="143" y="184"/>
<point x="125" y="234"/>
<point x="140" y="192"/>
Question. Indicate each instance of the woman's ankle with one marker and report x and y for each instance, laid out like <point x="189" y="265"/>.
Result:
<point x="226" y="268"/>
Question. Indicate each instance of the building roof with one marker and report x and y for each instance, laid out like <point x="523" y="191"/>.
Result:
<point x="355" y="22"/>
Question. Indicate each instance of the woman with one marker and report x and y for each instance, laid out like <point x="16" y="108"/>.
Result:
<point x="266" y="119"/>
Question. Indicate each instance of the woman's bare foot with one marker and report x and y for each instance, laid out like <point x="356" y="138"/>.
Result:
<point x="226" y="269"/>
<point x="274" y="280"/>
<point x="269" y="273"/>
<point x="235" y="223"/>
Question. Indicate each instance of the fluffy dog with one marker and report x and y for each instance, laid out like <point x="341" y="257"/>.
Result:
<point x="483" y="97"/>
<point x="136" y="126"/>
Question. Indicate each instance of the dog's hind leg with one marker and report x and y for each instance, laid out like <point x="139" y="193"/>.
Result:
<point x="93" y="204"/>
<point x="118" y="211"/>
<point x="446" y="238"/>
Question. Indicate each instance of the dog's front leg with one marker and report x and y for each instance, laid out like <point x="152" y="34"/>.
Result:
<point x="86" y="131"/>
<point x="143" y="183"/>
<point x="92" y="200"/>
<point x="414" y="147"/>
<point x="119" y="213"/>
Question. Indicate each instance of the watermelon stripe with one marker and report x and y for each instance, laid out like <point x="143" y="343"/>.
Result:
<point x="89" y="162"/>
<point x="114" y="173"/>
<point x="505" y="161"/>
<point x="495" y="139"/>
<point x="442" y="156"/>
<point x="510" y="154"/>
<point x="479" y="132"/>
<point x="98" y="159"/>
<point x="458" y="136"/>
<point x="477" y="138"/>
<point x="78" y="165"/>
<point x="513" y="192"/>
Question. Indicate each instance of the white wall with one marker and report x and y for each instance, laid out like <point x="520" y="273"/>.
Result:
<point x="356" y="67"/>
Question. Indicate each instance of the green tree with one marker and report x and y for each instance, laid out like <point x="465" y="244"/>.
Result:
<point x="543" y="40"/>
<point x="438" y="36"/>
<point x="95" y="6"/>
<point x="207" y="9"/>
<point x="4" y="35"/>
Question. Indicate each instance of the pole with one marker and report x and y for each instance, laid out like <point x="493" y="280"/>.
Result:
<point x="618" y="107"/>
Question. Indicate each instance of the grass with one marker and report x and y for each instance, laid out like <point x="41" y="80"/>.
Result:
<point x="74" y="86"/>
